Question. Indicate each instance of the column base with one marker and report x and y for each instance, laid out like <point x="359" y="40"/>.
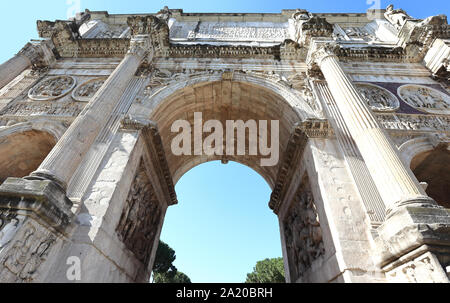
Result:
<point x="412" y="232"/>
<point x="42" y="200"/>
<point x="420" y="201"/>
<point x="44" y="175"/>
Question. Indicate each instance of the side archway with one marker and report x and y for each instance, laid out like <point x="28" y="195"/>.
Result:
<point x="24" y="146"/>
<point x="430" y="164"/>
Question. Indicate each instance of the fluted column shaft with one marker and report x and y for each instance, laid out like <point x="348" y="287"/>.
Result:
<point x="65" y="157"/>
<point x="397" y="184"/>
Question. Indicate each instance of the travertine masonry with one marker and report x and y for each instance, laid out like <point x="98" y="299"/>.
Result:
<point x="362" y="101"/>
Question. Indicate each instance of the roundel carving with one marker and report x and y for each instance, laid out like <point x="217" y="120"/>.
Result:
<point x="52" y="88"/>
<point x="425" y="98"/>
<point x="378" y="98"/>
<point x="87" y="90"/>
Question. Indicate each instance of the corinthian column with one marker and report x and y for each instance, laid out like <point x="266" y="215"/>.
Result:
<point x="397" y="184"/>
<point x="30" y="54"/>
<point x="65" y="157"/>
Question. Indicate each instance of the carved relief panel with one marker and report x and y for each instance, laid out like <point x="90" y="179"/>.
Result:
<point x="85" y="91"/>
<point x="9" y="224"/>
<point x="52" y="88"/>
<point x="424" y="269"/>
<point x="214" y="32"/>
<point x="24" y="250"/>
<point x="303" y="233"/>
<point x="139" y="223"/>
<point x="425" y="99"/>
<point x="379" y="99"/>
<point x="414" y="122"/>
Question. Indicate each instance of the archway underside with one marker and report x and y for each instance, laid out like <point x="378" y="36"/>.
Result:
<point x="433" y="167"/>
<point x="224" y="101"/>
<point x="22" y="153"/>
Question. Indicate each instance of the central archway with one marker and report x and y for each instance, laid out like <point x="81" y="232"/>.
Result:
<point x="243" y="98"/>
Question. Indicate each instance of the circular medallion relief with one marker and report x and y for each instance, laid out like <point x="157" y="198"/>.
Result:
<point x="425" y="98"/>
<point x="378" y="98"/>
<point x="52" y="88"/>
<point x="87" y="90"/>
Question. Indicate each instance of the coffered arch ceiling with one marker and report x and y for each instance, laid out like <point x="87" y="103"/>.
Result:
<point x="222" y="101"/>
<point x="433" y="167"/>
<point x="22" y="152"/>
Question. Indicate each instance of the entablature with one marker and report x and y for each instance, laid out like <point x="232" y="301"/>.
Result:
<point x="373" y="36"/>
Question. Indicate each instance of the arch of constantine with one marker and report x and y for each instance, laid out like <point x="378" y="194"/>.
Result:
<point x="361" y="185"/>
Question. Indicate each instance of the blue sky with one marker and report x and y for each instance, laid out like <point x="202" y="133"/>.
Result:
<point x="222" y="224"/>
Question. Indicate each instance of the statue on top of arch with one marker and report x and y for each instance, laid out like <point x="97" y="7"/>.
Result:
<point x="396" y="17"/>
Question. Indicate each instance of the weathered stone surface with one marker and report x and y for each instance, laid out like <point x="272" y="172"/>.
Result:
<point x="42" y="200"/>
<point x="362" y="103"/>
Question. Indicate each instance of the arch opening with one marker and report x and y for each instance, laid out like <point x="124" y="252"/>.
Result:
<point x="21" y="153"/>
<point x="222" y="225"/>
<point x="223" y="101"/>
<point x="433" y="168"/>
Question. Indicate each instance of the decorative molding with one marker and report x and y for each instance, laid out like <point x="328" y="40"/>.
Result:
<point x="291" y="159"/>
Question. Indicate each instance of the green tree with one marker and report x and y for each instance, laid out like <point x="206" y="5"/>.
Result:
<point x="172" y="277"/>
<point x="163" y="270"/>
<point x="267" y="271"/>
<point x="165" y="256"/>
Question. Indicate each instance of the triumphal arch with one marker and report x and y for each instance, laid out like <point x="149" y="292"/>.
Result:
<point x="362" y="108"/>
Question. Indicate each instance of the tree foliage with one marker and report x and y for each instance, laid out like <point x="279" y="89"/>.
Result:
<point x="165" y="256"/>
<point x="267" y="271"/>
<point x="171" y="277"/>
<point x="163" y="270"/>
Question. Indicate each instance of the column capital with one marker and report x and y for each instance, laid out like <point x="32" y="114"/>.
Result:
<point x="319" y="52"/>
<point x="137" y="123"/>
<point x="148" y="32"/>
<point x="140" y="46"/>
<point x="145" y="25"/>
<point x="39" y="53"/>
<point x="304" y="26"/>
